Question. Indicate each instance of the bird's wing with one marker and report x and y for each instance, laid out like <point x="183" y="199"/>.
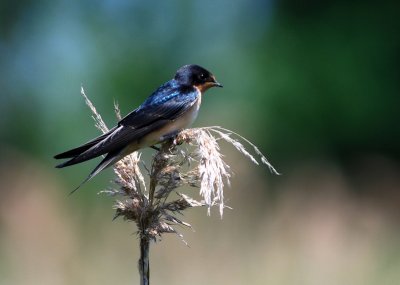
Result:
<point x="148" y="118"/>
<point x="139" y="123"/>
<point x="167" y="103"/>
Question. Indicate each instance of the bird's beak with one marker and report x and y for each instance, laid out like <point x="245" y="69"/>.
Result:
<point x="208" y="84"/>
<point x="217" y="84"/>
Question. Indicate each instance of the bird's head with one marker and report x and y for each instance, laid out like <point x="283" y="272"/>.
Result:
<point x="197" y="76"/>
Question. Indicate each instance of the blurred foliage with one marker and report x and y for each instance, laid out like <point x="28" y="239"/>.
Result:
<point x="332" y="71"/>
<point x="304" y="79"/>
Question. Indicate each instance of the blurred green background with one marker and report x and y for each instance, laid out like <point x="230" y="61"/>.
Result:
<point x="315" y="84"/>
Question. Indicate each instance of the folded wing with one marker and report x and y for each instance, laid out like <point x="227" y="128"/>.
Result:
<point x="140" y="122"/>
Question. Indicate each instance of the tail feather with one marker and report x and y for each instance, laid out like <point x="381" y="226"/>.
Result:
<point x="109" y="160"/>
<point x="75" y="151"/>
<point x="92" y="152"/>
<point x="72" y="161"/>
<point x="81" y="149"/>
<point x="89" y="153"/>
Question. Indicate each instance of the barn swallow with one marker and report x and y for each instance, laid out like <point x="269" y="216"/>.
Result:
<point x="171" y="108"/>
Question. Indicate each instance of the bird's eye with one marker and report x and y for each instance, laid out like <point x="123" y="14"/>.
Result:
<point x="202" y="76"/>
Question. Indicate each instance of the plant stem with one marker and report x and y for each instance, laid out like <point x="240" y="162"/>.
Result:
<point x="144" y="261"/>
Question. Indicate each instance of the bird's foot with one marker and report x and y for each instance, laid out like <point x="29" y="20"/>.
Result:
<point x="172" y="137"/>
<point x="155" y="147"/>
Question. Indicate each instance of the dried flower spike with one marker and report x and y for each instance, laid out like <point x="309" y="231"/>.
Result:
<point x="192" y="159"/>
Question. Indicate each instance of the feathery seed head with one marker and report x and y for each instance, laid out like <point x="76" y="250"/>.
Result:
<point x="192" y="159"/>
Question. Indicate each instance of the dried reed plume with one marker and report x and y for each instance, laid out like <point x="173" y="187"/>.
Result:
<point x="192" y="159"/>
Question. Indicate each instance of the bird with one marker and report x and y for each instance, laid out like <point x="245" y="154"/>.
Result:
<point x="169" y="109"/>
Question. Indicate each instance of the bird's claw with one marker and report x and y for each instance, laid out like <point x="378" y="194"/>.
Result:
<point x="154" y="147"/>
